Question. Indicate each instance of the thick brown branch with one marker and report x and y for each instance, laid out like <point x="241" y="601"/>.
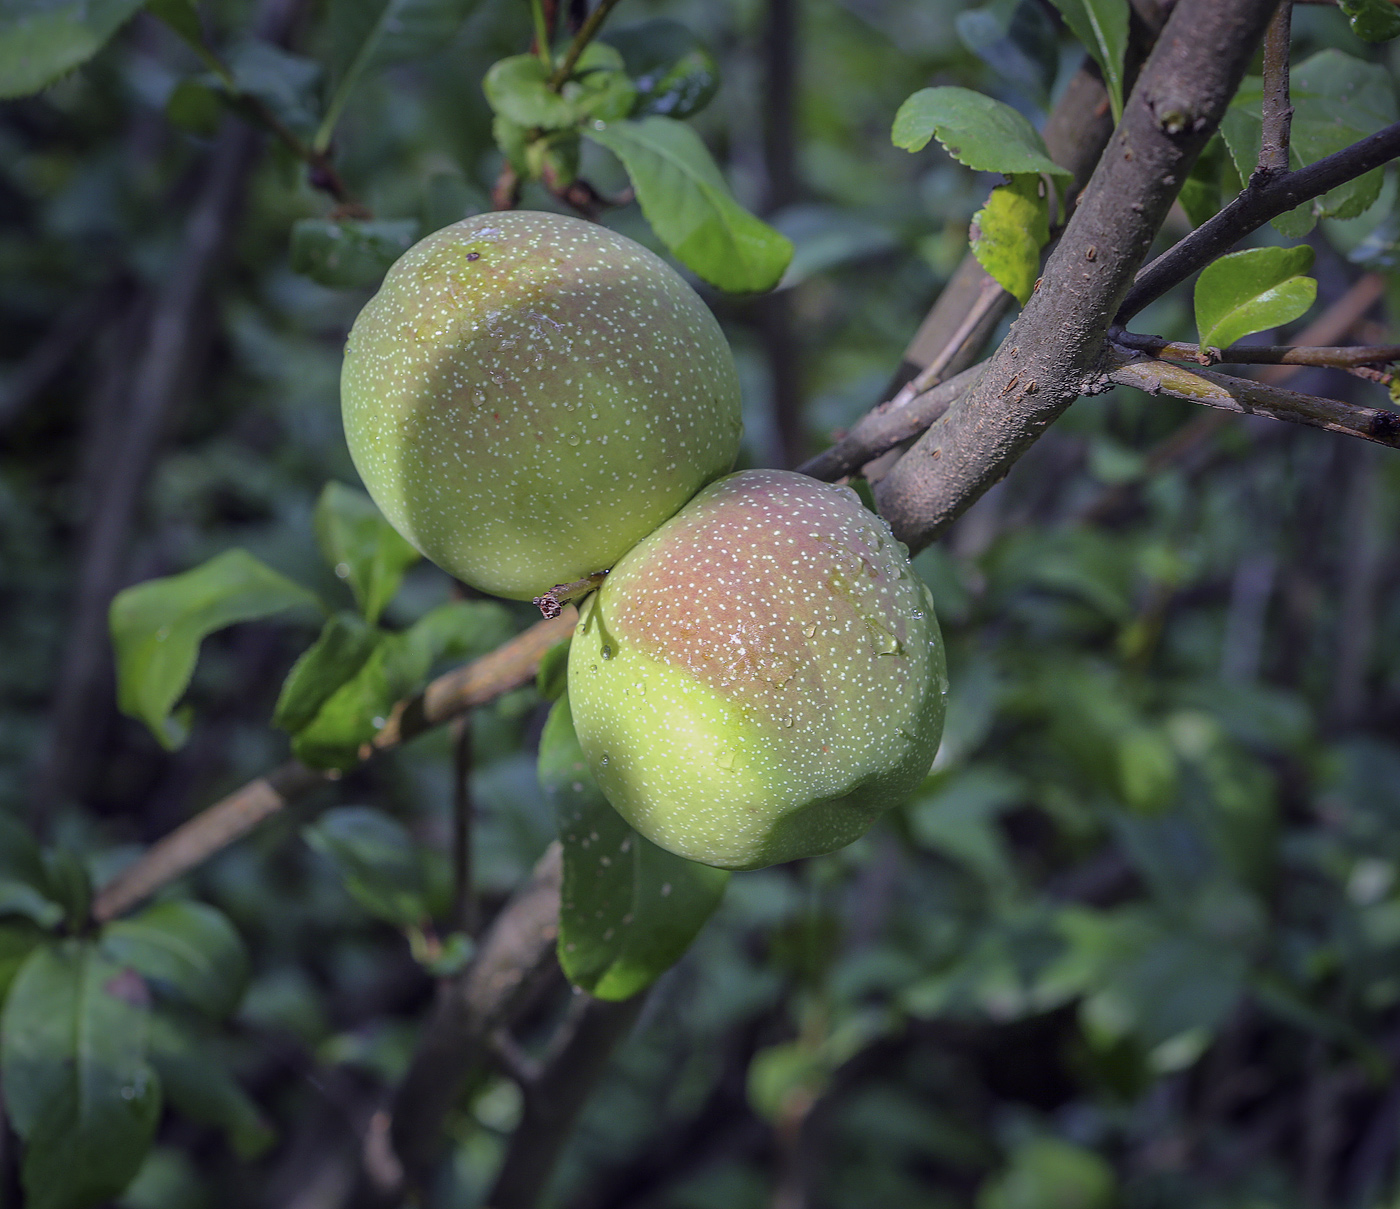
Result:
<point x="887" y="426"/>
<point x="231" y="818"/>
<point x="1257" y="398"/>
<point x="1182" y="93"/>
<point x="1251" y="210"/>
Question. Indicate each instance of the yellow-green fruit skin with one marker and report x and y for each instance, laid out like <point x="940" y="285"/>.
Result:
<point x="529" y="395"/>
<point x="762" y="677"/>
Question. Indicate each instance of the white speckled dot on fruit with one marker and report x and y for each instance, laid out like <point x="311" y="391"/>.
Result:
<point x="762" y="676"/>
<point x="529" y="395"/>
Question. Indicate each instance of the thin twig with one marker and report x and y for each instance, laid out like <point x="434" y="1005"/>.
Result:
<point x="886" y="426"/>
<point x="1251" y="210"/>
<point x="463" y="917"/>
<point x="515" y="957"/>
<point x="1343" y="357"/>
<point x="1277" y="110"/>
<point x="232" y="817"/>
<point x="1256" y="398"/>
<point x="581" y="40"/>
<point x="556" y="1097"/>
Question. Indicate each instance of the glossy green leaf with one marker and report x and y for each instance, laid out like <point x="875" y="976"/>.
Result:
<point x="199" y="1086"/>
<point x="345" y="642"/>
<point x="1046" y="1173"/>
<point x="349" y="253"/>
<point x="376" y="859"/>
<point x="363" y="548"/>
<point x="25" y="887"/>
<point x="157" y="627"/>
<point x="1102" y="25"/>
<point x="1252" y="291"/>
<point x="684" y="197"/>
<point x="356" y="711"/>
<point x="984" y="134"/>
<point x="1009" y="231"/>
<point x="518" y="89"/>
<point x="628" y="909"/>
<point x="1201" y="193"/>
<point x="368" y="35"/>
<point x="189" y="948"/>
<point x="41" y="40"/>
<point x="1372" y="20"/>
<point x="674" y="73"/>
<point x="1018" y="40"/>
<point x="1337" y="100"/>
<point x="78" y="1088"/>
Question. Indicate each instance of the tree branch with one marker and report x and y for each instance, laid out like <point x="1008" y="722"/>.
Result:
<point x="1277" y="112"/>
<point x="1182" y="93"/>
<point x="516" y="953"/>
<point x="1343" y="357"/>
<point x="555" y="1098"/>
<point x="1251" y="210"/>
<point x="463" y="916"/>
<point x="1257" y="398"/>
<point x="888" y="425"/>
<point x="231" y="818"/>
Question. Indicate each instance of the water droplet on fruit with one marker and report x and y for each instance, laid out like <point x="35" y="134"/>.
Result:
<point x="593" y="667"/>
<point x="725" y="758"/>
<point x="569" y="405"/>
<point x="607" y="651"/>
<point x="342" y="570"/>
<point x="573" y="438"/>
<point x="163" y="633"/>
<point x="604" y="760"/>
<point x="641" y="689"/>
<point x="809" y="629"/>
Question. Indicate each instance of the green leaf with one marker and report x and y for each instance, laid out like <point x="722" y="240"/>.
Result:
<point x="1009" y="231"/>
<point x="1017" y="39"/>
<point x="684" y="197"/>
<point x="41" y="40"/>
<point x="1336" y="100"/>
<point x="1146" y="769"/>
<point x="196" y="105"/>
<point x="983" y="134"/>
<point x="1201" y="193"/>
<point x="189" y="947"/>
<point x="346" y="641"/>
<point x="157" y="627"/>
<point x="284" y="82"/>
<point x="628" y="909"/>
<point x="396" y="665"/>
<point x="368" y="35"/>
<point x="958" y="816"/>
<point x="599" y="87"/>
<point x="69" y="885"/>
<point x="25" y="888"/>
<point x="1046" y="1173"/>
<point x="376" y="859"/>
<point x="78" y="1088"/>
<point x="1371" y="20"/>
<point x="181" y="16"/>
<point x="349" y="253"/>
<point x="1102" y="25"/>
<point x="365" y="550"/>
<point x="552" y="678"/>
<point x="674" y="73"/>
<point x="518" y="89"/>
<point x="18" y="939"/>
<point x="199" y="1086"/>
<point x="1252" y="291"/>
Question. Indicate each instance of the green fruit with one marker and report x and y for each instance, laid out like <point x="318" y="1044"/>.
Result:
<point x="529" y="395"/>
<point x="762" y="676"/>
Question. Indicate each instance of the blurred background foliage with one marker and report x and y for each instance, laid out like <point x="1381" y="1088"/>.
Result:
<point x="1134" y="943"/>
